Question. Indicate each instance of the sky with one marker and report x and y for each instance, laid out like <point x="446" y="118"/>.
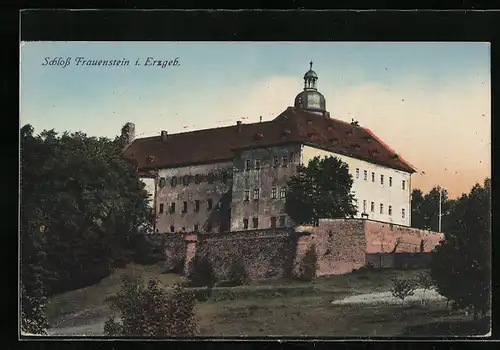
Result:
<point x="430" y="102"/>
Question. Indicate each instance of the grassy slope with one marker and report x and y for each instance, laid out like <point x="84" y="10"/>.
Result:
<point x="90" y="302"/>
<point x="277" y="307"/>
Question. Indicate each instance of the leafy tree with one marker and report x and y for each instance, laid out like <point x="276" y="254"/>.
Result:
<point x="461" y="265"/>
<point x="87" y="199"/>
<point x="402" y="289"/>
<point x="425" y="282"/>
<point x="201" y="273"/>
<point x="320" y="190"/>
<point x="425" y="209"/>
<point x="309" y="264"/>
<point x="151" y="311"/>
<point x="417" y="213"/>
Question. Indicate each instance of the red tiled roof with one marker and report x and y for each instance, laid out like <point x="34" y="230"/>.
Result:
<point x="291" y="126"/>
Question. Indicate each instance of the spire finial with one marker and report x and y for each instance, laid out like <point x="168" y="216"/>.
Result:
<point x="311" y="65"/>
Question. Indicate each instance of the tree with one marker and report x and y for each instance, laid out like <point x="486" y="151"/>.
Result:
<point x="320" y="190"/>
<point x="425" y="209"/>
<point x="402" y="289"/>
<point x="425" y="282"/>
<point x="151" y="311"/>
<point x="86" y="201"/>
<point x="461" y="265"/>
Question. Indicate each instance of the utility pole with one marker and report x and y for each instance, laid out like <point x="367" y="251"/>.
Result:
<point x="440" y="215"/>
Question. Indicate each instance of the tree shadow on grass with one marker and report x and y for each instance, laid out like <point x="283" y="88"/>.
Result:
<point x="450" y="328"/>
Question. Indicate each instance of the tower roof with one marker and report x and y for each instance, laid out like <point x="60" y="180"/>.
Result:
<point x="310" y="73"/>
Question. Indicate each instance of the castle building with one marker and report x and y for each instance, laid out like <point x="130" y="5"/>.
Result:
<point x="234" y="178"/>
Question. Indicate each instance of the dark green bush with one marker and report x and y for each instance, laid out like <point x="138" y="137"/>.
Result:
<point x="201" y="273"/>
<point x="309" y="265"/>
<point x="237" y="274"/>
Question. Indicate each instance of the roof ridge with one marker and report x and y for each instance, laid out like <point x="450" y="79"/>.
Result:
<point x="206" y="129"/>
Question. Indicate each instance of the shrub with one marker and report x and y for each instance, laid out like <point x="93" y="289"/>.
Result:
<point x="424" y="281"/>
<point x="402" y="289"/>
<point x="147" y="250"/>
<point x="309" y="265"/>
<point x="237" y="273"/>
<point x="177" y="266"/>
<point x="151" y="310"/>
<point x="201" y="273"/>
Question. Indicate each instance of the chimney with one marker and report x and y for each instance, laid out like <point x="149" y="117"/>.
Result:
<point x="261" y="119"/>
<point x="164" y="135"/>
<point x="238" y="126"/>
<point x="128" y="134"/>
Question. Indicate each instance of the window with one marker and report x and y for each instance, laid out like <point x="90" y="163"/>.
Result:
<point x="381" y="179"/>
<point x="245" y="224"/>
<point x="209" y="203"/>
<point x="257" y="164"/>
<point x="185" y="180"/>
<point x="196" y="205"/>
<point x="373" y="177"/>
<point x="174" y="181"/>
<point x="209" y="226"/>
<point x="197" y="179"/>
<point x="273" y="221"/>
<point x="403" y="184"/>
<point x="357" y="173"/>
<point x="210" y="178"/>
<point x="172" y="208"/>
<point x="282" y="220"/>
<point x="403" y="213"/>
<point x="284" y="161"/>
<point x="381" y="208"/>
<point x="255" y="222"/>
<point x="276" y="162"/>
<point x="283" y="192"/>
<point x="365" y="175"/>
<point x="185" y="207"/>
<point x="247" y="196"/>
<point x="390" y="181"/>
<point x="161" y="208"/>
<point x="256" y="194"/>
<point x="247" y="164"/>
<point x="372" y="207"/>
<point x="196" y="226"/>
<point x="172" y="228"/>
<point x="390" y="210"/>
<point x="364" y="206"/>
<point x="274" y="193"/>
<point x="224" y="177"/>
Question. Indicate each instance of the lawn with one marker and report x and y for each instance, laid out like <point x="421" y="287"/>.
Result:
<point x="282" y="308"/>
<point x="90" y="302"/>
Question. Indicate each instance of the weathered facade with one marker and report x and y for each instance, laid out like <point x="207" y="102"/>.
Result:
<point x="259" y="186"/>
<point x="195" y="198"/>
<point x="341" y="245"/>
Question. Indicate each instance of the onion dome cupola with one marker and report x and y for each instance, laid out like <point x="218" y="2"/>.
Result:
<point x="311" y="99"/>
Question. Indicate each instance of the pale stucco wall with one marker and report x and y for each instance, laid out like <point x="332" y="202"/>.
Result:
<point x="366" y="190"/>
